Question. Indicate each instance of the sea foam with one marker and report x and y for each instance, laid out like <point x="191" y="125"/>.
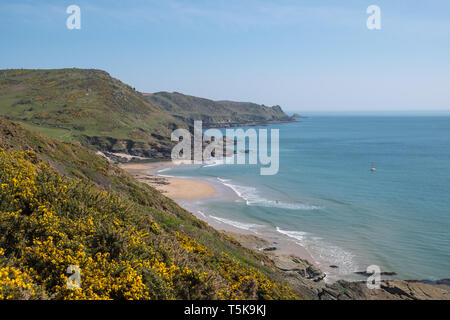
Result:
<point x="236" y="224"/>
<point x="323" y="252"/>
<point x="213" y="163"/>
<point x="252" y="197"/>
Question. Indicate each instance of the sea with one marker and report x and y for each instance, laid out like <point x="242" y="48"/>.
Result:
<point x="327" y="199"/>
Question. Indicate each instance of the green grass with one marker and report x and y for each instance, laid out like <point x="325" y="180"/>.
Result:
<point x="56" y="133"/>
<point x="90" y="104"/>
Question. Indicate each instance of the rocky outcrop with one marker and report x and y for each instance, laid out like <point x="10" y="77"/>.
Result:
<point x="111" y="146"/>
<point x="389" y="290"/>
<point x="217" y="114"/>
<point x="301" y="275"/>
<point x="300" y="266"/>
<point x="307" y="279"/>
<point x="297" y="116"/>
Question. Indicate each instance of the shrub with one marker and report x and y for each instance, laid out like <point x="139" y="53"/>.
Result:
<point x="49" y="222"/>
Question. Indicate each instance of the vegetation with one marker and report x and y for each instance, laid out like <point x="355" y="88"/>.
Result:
<point x="102" y="113"/>
<point x="88" y="106"/>
<point x="216" y="113"/>
<point x="62" y="205"/>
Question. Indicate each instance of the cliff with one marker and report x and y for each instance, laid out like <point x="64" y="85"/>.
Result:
<point x="217" y="113"/>
<point x="88" y="106"/>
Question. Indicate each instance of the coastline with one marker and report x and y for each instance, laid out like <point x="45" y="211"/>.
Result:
<point x="189" y="193"/>
<point x="333" y="226"/>
<point x="174" y="188"/>
<point x="294" y="262"/>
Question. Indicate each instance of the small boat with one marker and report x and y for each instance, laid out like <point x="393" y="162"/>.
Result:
<point x="373" y="168"/>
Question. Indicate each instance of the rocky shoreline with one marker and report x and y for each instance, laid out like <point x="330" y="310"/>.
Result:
<point x="307" y="279"/>
<point x="246" y="123"/>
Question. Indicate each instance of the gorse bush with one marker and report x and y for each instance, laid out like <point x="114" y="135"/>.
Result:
<point x="49" y="222"/>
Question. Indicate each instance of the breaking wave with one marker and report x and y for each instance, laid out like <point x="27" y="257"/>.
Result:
<point x="252" y="197"/>
<point x="236" y="224"/>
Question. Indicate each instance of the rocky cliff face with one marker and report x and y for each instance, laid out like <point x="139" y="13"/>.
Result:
<point x="217" y="113"/>
<point x="87" y="106"/>
<point x="307" y="279"/>
<point x="102" y="113"/>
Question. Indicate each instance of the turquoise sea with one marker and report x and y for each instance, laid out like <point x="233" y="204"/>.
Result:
<point x="326" y="198"/>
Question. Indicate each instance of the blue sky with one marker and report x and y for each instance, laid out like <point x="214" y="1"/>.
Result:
<point x="303" y="55"/>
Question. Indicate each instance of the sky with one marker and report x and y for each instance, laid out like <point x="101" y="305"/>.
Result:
<point x="315" y="55"/>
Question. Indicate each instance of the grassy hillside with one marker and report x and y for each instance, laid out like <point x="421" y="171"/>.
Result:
<point x="100" y="112"/>
<point x="88" y="106"/>
<point x="61" y="205"/>
<point x="216" y="113"/>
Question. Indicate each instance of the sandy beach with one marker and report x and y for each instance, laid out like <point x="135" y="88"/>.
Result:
<point x="174" y="188"/>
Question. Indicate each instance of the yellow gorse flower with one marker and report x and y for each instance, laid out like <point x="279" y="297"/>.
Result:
<point x="49" y="222"/>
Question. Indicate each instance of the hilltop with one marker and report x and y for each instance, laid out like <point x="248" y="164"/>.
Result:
<point x="88" y="106"/>
<point x="102" y="113"/>
<point x="217" y="113"/>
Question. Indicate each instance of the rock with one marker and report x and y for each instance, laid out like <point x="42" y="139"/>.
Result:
<point x="389" y="273"/>
<point x="270" y="249"/>
<point x="319" y="278"/>
<point x="389" y="290"/>
<point x="367" y="274"/>
<point x="307" y="280"/>
<point x="300" y="266"/>
<point x="444" y="282"/>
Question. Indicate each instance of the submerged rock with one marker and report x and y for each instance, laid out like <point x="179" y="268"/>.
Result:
<point x="367" y="274"/>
